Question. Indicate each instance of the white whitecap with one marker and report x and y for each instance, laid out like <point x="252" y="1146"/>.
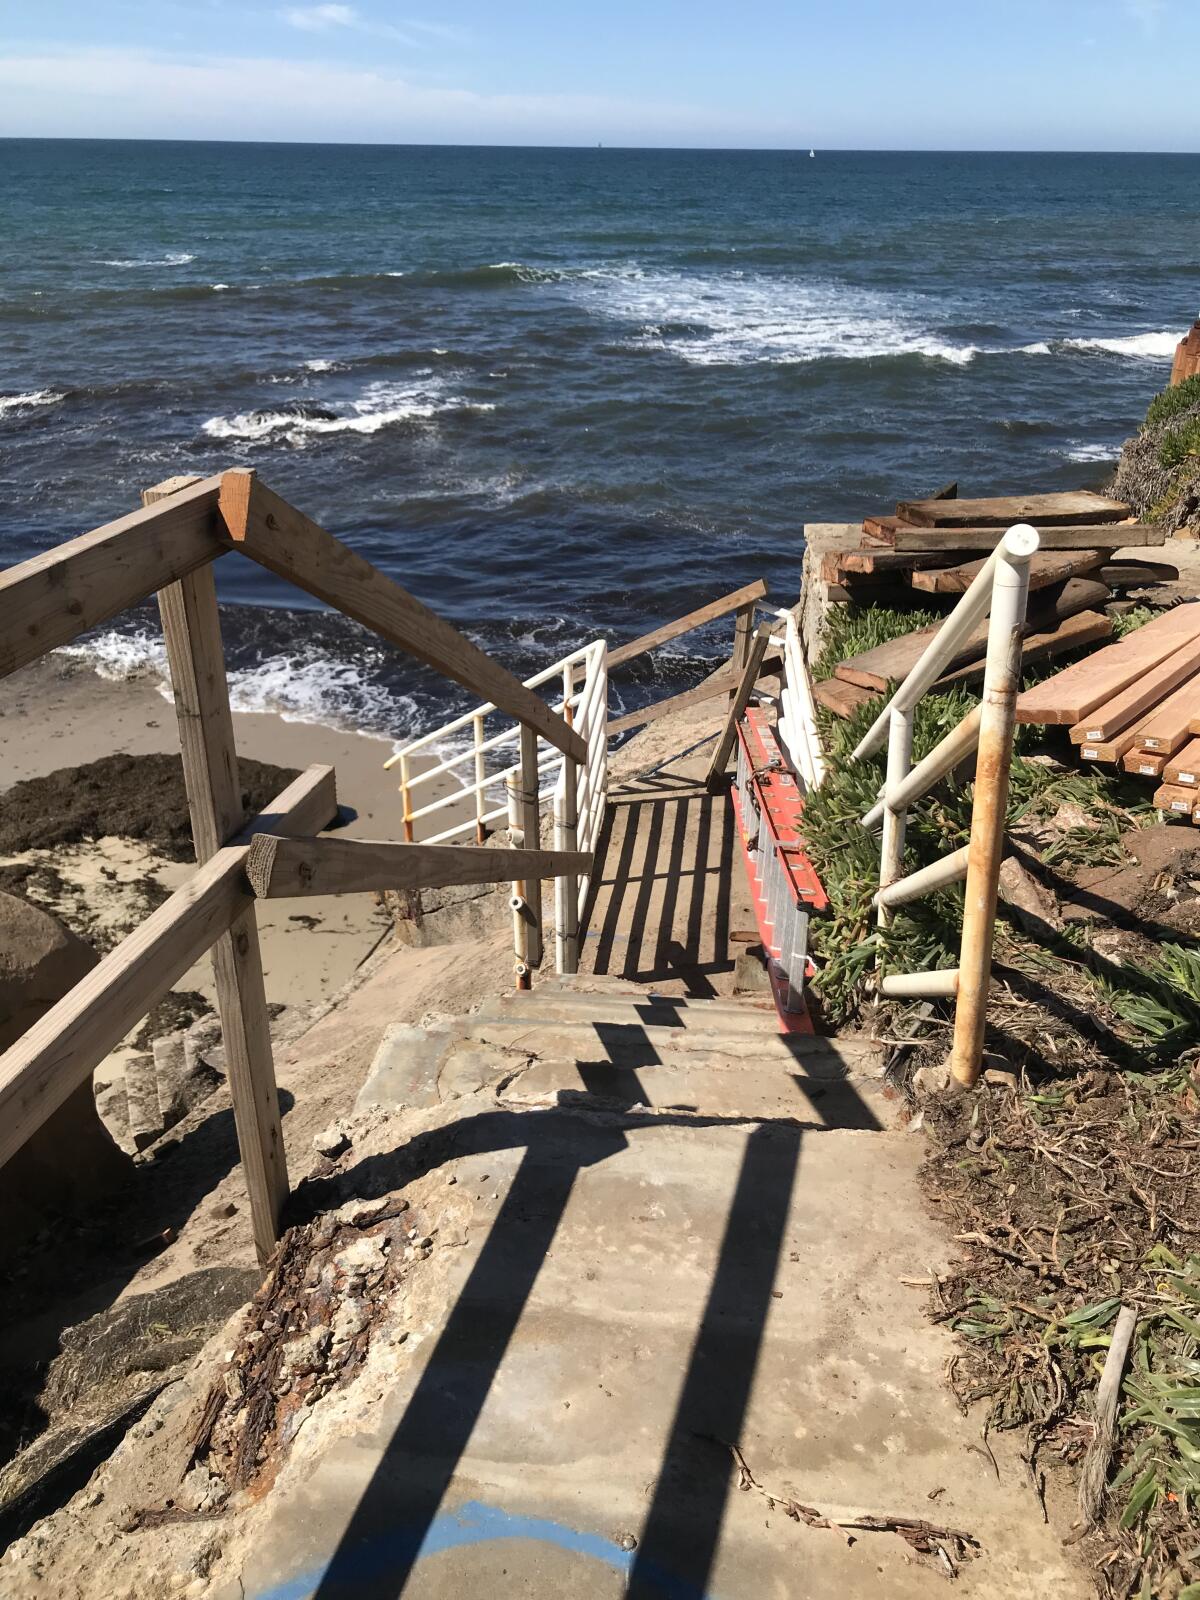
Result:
<point x="1093" y="452"/>
<point x="179" y="258"/>
<point x="381" y="405"/>
<point x="26" y="402"/>
<point x="736" y="319"/>
<point x="1141" y="346"/>
<point x="319" y="364"/>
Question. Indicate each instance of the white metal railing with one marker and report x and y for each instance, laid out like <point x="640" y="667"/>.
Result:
<point x="1001" y="589"/>
<point x="502" y="777"/>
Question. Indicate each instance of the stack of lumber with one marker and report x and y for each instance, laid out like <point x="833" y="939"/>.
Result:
<point x="930" y="551"/>
<point x="935" y="546"/>
<point x="1135" y="704"/>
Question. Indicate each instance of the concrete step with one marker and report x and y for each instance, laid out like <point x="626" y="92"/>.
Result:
<point x="706" y="1089"/>
<point x="649" y="1009"/>
<point x="638" y="1043"/>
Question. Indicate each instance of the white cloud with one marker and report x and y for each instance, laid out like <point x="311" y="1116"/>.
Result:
<point x="319" y="19"/>
<point x="141" y="94"/>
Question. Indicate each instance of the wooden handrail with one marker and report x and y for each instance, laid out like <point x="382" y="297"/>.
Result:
<point x="750" y="675"/>
<point x="280" y="867"/>
<point x="695" y="619"/>
<point x="721" y="684"/>
<point x="71" y="1039"/>
<point x="294" y="547"/>
<point x="52" y="599"/>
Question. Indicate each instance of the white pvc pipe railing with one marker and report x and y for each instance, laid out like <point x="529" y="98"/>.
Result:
<point x="1001" y="591"/>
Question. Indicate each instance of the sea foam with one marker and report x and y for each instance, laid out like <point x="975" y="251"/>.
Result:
<point x="178" y="258"/>
<point x="381" y="405"/>
<point x="26" y="402"/>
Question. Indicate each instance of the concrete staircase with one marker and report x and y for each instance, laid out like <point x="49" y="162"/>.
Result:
<point x="616" y="1046"/>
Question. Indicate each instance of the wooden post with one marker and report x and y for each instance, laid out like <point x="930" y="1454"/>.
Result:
<point x="741" y="697"/>
<point x="989" y="807"/>
<point x="566" y="889"/>
<point x="192" y="633"/>
<point x="743" y="632"/>
<point x="531" y="828"/>
<point x="518" y="902"/>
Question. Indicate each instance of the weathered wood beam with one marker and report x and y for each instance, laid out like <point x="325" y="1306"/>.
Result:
<point x="750" y="675"/>
<point x="745" y="596"/>
<point x="282" y="868"/>
<point x="52" y="599"/>
<point x="294" y="547"/>
<point x="726" y="681"/>
<point x="192" y="631"/>
<point x="73" y="1037"/>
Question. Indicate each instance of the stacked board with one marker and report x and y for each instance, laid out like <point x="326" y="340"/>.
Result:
<point x="936" y="545"/>
<point x="1135" y="704"/>
<point x="930" y="551"/>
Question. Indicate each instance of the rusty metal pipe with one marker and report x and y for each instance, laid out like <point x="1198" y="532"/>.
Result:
<point x="997" y="717"/>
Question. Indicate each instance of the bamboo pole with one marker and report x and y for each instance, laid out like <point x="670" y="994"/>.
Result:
<point x="997" y="717"/>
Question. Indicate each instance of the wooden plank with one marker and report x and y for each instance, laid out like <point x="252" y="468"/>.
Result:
<point x="1170" y="724"/>
<point x="1047" y="567"/>
<point x="892" y="662"/>
<point x="192" y="634"/>
<point x="1143" y="763"/>
<point x="1070" y="695"/>
<point x="868" y="560"/>
<point x="294" y="547"/>
<point x="1111" y="750"/>
<point x="747" y="595"/>
<point x="1175" y="797"/>
<point x="1087" y="536"/>
<point x="1136" y="574"/>
<point x="1074" y="633"/>
<point x="1147" y="691"/>
<point x="71" y="1039"/>
<point x="1184" y="766"/>
<point x="745" y="688"/>
<point x="528" y="797"/>
<point x="1001" y="511"/>
<point x="279" y="868"/>
<point x="840" y="697"/>
<point x="52" y="599"/>
<point x="708" y="690"/>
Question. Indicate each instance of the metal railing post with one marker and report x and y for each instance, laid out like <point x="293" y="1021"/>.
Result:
<point x="566" y="890"/>
<point x="520" y="910"/>
<point x="1001" y="685"/>
<point x="531" y="828"/>
<point x="899" y="763"/>
<point x="480" y="778"/>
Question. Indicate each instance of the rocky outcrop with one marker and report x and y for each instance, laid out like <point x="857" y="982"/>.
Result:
<point x="1187" y="356"/>
<point x="71" y="1159"/>
<point x="1159" y="470"/>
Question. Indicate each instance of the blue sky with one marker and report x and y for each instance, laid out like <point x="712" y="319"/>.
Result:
<point x="858" y="74"/>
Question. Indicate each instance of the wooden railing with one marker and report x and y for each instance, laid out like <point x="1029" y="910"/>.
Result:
<point x="168" y="548"/>
<point x="742" y="602"/>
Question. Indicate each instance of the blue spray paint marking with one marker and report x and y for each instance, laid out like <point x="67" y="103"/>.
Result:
<point x="472" y="1524"/>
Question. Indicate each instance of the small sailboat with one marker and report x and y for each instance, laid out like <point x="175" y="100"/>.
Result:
<point x="811" y="154"/>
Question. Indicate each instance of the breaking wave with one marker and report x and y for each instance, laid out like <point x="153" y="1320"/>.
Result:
<point x="381" y="405"/>
<point x="27" y="402"/>
<point x="179" y="258"/>
<point x="1144" y="346"/>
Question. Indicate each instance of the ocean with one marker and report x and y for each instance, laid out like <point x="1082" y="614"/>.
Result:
<point x="561" y="392"/>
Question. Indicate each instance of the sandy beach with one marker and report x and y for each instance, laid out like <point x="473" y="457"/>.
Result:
<point x="58" y="715"/>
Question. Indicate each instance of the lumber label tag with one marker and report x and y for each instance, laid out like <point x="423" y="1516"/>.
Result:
<point x="1089" y="753"/>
